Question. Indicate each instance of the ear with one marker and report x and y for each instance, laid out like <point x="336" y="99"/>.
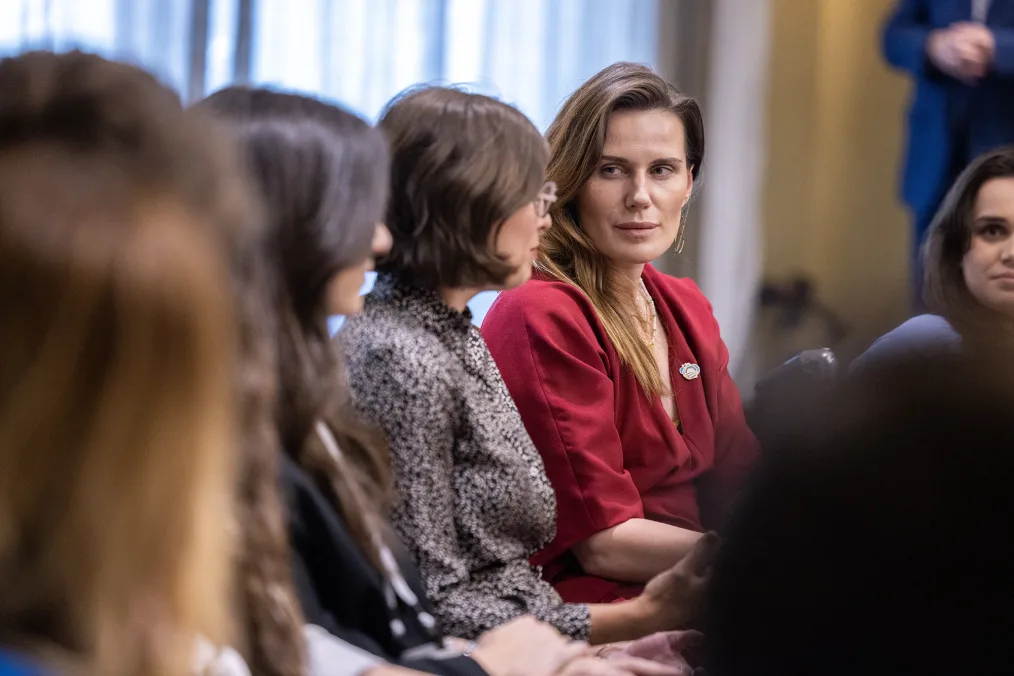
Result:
<point x="690" y="186"/>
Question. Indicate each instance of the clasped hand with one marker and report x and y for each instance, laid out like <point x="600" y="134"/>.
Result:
<point x="963" y="50"/>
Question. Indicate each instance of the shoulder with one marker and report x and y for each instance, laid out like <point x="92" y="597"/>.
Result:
<point x="379" y="345"/>
<point x="919" y="335"/>
<point x="537" y="300"/>
<point x="924" y="331"/>
<point x="543" y="316"/>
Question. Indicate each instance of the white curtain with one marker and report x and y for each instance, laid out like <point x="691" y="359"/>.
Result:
<point x="153" y="33"/>
<point x="531" y="53"/>
<point x="730" y="255"/>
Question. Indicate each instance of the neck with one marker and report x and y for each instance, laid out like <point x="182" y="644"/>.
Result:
<point x="457" y="298"/>
<point x="628" y="276"/>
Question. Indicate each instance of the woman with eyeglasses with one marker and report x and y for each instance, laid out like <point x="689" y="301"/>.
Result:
<point x="469" y="201"/>
<point x="322" y="173"/>
<point x="619" y="370"/>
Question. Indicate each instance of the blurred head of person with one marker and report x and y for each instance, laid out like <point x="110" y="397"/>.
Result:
<point x="871" y="540"/>
<point x="116" y="470"/>
<point x="625" y="151"/>
<point x="969" y="253"/>
<point x="322" y="175"/>
<point x="469" y="198"/>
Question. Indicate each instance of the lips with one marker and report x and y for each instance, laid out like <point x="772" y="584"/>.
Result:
<point x="637" y="226"/>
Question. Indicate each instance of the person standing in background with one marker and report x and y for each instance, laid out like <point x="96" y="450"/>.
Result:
<point x="961" y="56"/>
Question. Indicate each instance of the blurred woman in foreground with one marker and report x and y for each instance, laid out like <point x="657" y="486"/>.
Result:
<point x="871" y="541"/>
<point x="115" y="470"/>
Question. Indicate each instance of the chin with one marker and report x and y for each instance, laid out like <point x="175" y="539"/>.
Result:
<point x="348" y="307"/>
<point x="641" y="254"/>
<point x="1003" y="306"/>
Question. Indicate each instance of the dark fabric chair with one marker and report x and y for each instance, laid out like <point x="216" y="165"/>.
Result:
<point x="781" y="393"/>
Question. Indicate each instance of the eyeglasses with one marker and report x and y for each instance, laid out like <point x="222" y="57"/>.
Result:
<point x="545" y="199"/>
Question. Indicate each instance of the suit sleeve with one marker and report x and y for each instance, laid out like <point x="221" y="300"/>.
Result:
<point x="1003" y="60"/>
<point x="553" y="363"/>
<point x="904" y="37"/>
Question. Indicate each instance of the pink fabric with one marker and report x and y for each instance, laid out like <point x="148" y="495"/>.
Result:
<point x="671" y="648"/>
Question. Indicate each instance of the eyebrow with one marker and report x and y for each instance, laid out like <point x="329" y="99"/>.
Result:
<point x="622" y="160"/>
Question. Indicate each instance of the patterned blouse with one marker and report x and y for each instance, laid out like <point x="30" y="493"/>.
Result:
<point x="475" y="502"/>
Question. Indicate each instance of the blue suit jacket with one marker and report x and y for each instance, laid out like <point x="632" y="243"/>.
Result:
<point x="942" y="104"/>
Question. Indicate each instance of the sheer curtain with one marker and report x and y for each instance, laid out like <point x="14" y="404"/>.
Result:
<point x="153" y="33"/>
<point x="360" y="53"/>
<point x="730" y="256"/>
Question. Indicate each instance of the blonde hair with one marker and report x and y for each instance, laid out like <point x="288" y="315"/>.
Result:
<point x="576" y="138"/>
<point x="116" y="429"/>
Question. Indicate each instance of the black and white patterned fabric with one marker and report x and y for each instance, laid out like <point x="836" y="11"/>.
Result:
<point x="475" y="502"/>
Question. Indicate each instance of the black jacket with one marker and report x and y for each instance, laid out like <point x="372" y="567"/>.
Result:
<point x="341" y="591"/>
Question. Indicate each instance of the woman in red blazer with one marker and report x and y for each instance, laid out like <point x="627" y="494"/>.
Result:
<point x="618" y="370"/>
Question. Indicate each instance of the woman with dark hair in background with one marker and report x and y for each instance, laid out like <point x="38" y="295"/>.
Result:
<point x="968" y="260"/>
<point x="115" y="428"/>
<point x="468" y="203"/>
<point x="323" y="175"/>
<point x="619" y="371"/>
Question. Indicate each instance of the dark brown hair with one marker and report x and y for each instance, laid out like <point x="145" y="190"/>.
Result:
<point x="461" y="164"/>
<point x="115" y="402"/>
<point x="322" y="172"/>
<point x="269" y="609"/>
<point x="949" y="238"/>
<point x="576" y="138"/>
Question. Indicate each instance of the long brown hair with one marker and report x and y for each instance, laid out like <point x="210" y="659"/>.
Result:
<point x="115" y="399"/>
<point x="576" y="138"/>
<point x="270" y="617"/>
<point x="322" y="172"/>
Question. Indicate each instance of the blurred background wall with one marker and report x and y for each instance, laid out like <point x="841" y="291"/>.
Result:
<point x="834" y="133"/>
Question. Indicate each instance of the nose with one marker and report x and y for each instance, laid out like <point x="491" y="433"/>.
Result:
<point x="637" y="194"/>
<point x="382" y="240"/>
<point x="544" y="223"/>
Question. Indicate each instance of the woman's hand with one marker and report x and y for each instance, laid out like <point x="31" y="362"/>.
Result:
<point x="671" y="599"/>
<point x="527" y="647"/>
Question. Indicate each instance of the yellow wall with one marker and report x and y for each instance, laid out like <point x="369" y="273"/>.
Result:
<point x="835" y="122"/>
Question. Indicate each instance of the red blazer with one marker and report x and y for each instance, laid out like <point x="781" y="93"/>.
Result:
<point x="610" y="452"/>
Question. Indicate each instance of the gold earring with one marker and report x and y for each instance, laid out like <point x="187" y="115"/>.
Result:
<point x="680" y="240"/>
